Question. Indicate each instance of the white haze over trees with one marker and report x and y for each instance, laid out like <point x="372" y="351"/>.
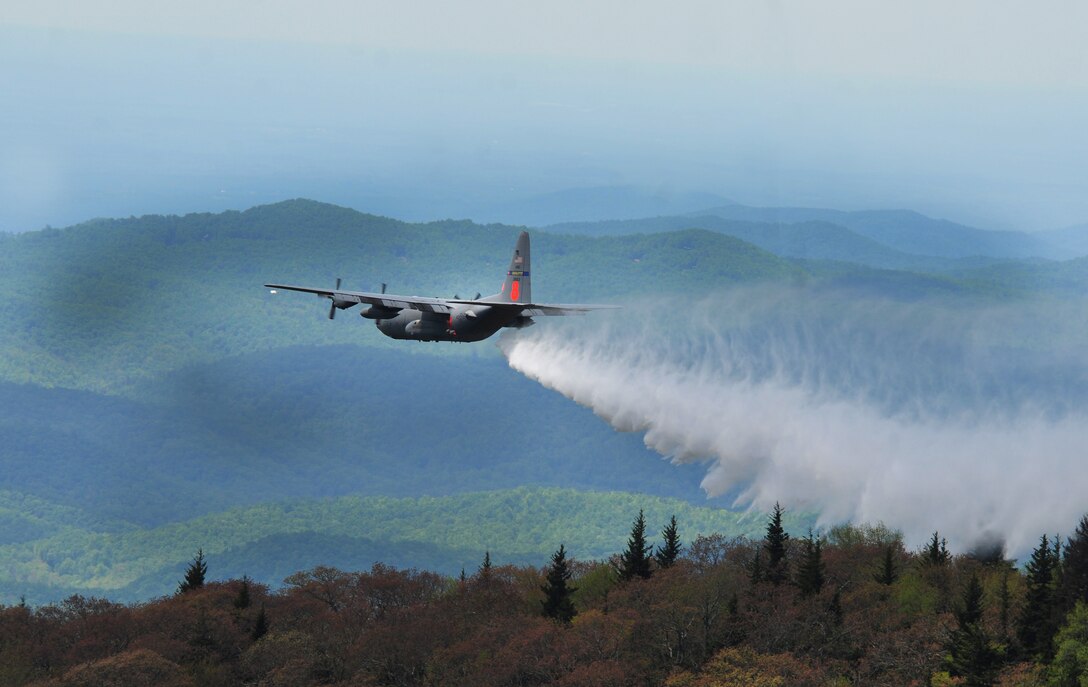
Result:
<point x="965" y="419"/>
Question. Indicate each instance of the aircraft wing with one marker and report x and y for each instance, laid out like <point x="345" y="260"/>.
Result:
<point x="541" y="309"/>
<point x="384" y="300"/>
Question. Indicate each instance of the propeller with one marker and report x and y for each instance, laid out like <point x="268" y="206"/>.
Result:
<point x="332" y="307"/>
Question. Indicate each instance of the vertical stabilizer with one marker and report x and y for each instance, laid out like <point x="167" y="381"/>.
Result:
<point x="516" y="288"/>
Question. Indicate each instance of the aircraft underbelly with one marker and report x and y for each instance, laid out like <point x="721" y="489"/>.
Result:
<point x="425" y="326"/>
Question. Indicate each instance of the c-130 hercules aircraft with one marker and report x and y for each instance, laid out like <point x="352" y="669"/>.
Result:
<point x="451" y="319"/>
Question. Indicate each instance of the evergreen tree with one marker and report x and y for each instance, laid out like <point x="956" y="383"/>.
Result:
<point x="667" y="554"/>
<point x="936" y="553"/>
<point x="971" y="611"/>
<point x="776" y="543"/>
<point x="635" y="560"/>
<point x="836" y="608"/>
<point x="887" y="575"/>
<point x="810" y="571"/>
<point x="756" y="573"/>
<point x="242" y="600"/>
<point x="1006" y="602"/>
<point x="1074" y="584"/>
<point x="557" y="601"/>
<point x="194" y="574"/>
<point x="484" y="572"/>
<point x="1037" y="618"/>
<point x="260" y="627"/>
<point x="970" y="654"/>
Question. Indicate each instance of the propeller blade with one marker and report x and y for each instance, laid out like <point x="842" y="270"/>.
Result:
<point x="332" y="307"/>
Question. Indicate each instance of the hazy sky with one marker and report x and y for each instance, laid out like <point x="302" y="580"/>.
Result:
<point x="970" y="110"/>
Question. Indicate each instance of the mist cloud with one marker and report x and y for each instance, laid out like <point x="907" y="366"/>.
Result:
<point x="951" y="417"/>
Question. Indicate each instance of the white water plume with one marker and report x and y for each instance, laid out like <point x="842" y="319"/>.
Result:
<point x="961" y="419"/>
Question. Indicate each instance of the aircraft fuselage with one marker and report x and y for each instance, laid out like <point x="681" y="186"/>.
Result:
<point x="464" y="324"/>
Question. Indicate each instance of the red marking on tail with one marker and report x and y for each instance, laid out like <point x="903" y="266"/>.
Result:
<point x="515" y="290"/>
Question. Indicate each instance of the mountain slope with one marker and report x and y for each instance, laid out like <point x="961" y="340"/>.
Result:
<point x="808" y="240"/>
<point x="309" y="422"/>
<point x="522" y="525"/>
<point x="908" y="231"/>
<point x="109" y="303"/>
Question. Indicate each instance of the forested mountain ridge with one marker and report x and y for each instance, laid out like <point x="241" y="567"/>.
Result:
<point x="107" y="303"/>
<point x="853" y="606"/>
<point x="913" y="232"/>
<point x="899" y="240"/>
<point x="269" y="541"/>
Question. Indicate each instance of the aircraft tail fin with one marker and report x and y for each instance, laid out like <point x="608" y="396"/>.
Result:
<point x="517" y="287"/>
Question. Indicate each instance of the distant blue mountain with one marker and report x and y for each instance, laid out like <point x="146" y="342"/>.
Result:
<point x="910" y="232"/>
<point x="1071" y="241"/>
<point x="597" y="203"/>
<point x="810" y="240"/>
<point x="896" y="239"/>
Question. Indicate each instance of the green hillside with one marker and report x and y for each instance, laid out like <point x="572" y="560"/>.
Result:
<point x="522" y="525"/>
<point x="106" y="304"/>
<point x="309" y="422"/>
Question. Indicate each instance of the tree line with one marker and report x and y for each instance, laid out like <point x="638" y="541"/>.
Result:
<point x="849" y="606"/>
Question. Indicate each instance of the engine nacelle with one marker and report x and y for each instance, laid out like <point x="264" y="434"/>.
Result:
<point x="377" y="312"/>
<point x="522" y="321"/>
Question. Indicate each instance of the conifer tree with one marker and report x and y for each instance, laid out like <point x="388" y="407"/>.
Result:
<point x="1075" y="568"/>
<point x="1006" y="601"/>
<point x="1037" y="624"/>
<point x="887" y="575"/>
<point x="484" y="573"/>
<point x="666" y="555"/>
<point x="557" y="601"/>
<point x="194" y="574"/>
<point x="635" y="560"/>
<point x="970" y="654"/>
<point x="936" y="553"/>
<point x="775" y="543"/>
<point x="836" y="608"/>
<point x="242" y="600"/>
<point x="260" y="627"/>
<point x="971" y="611"/>
<point x="756" y="573"/>
<point x="810" y="571"/>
